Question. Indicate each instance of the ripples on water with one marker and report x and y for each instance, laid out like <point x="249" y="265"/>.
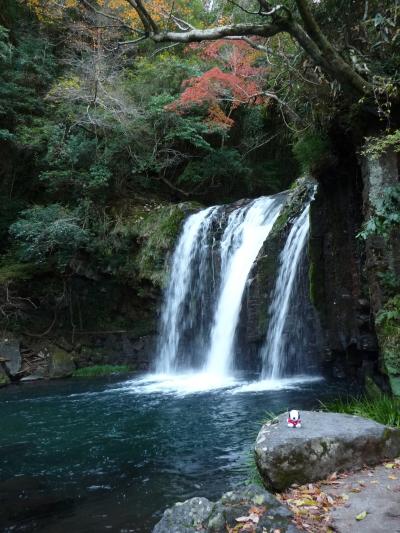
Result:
<point x="123" y="451"/>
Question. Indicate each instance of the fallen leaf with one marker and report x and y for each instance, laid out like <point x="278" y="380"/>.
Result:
<point x="389" y="465"/>
<point x="392" y="477"/>
<point x="242" y="519"/>
<point x="361" y="516"/>
<point x="375" y="482"/>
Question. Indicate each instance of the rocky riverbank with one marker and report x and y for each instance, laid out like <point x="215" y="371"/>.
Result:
<point x="293" y="460"/>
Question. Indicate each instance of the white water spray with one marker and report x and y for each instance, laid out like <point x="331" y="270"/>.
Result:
<point x="208" y="278"/>
<point x="243" y="237"/>
<point x="175" y="318"/>
<point x="276" y="352"/>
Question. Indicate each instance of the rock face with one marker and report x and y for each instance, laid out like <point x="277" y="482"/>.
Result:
<point x="326" y="443"/>
<point x="383" y="259"/>
<point x="251" y="506"/>
<point x="61" y="364"/>
<point x="10" y="352"/>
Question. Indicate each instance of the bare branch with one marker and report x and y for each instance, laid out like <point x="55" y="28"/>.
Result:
<point x="180" y="22"/>
<point x="160" y="50"/>
<point x="244" y="9"/>
<point x="134" y="41"/>
<point x="111" y="17"/>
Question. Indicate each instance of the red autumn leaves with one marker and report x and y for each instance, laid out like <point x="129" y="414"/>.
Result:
<point x="223" y="88"/>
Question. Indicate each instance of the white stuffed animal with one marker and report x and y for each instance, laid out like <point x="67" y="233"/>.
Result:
<point x="294" y="420"/>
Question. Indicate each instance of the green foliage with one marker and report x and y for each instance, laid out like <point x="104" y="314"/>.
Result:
<point x="5" y="46"/>
<point x="49" y="232"/>
<point x="377" y="146"/>
<point x="386" y="217"/>
<point x="384" y="409"/>
<point x="100" y="370"/>
<point x="390" y="312"/>
<point x="219" y="166"/>
<point x="310" y="150"/>
<point x="13" y="270"/>
<point x="388" y="331"/>
<point x="253" y="476"/>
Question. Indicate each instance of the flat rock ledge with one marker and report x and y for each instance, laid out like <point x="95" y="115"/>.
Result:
<point x="250" y="507"/>
<point x="326" y="443"/>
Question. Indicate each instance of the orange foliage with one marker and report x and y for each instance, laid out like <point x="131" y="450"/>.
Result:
<point x="54" y="9"/>
<point x="223" y="91"/>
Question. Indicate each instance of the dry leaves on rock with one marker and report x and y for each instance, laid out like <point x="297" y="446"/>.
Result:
<point x="248" y="523"/>
<point x="311" y="506"/>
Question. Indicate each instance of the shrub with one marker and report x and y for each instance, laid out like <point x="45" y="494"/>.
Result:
<point x="310" y="151"/>
<point x="383" y="409"/>
<point x="49" y="232"/>
<point x="100" y="370"/>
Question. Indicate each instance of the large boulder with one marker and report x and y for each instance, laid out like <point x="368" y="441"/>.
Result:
<point x="61" y="364"/>
<point x="326" y="443"/>
<point x="250" y="507"/>
<point x="10" y="353"/>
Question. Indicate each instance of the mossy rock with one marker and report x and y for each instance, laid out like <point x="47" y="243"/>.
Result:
<point x="266" y="265"/>
<point x="61" y="364"/>
<point x="371" y="388"/>
<point x="4" y="379"/>
<point x="326" y="443"/>
<point x="297" y="199"/>
<point x="388" y="332"/>
<point x="158" y="232"/>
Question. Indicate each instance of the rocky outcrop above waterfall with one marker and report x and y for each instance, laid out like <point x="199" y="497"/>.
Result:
<point x="255" y="316"/>
<point x="248" y="509"/>
<point x="326" y="443"/>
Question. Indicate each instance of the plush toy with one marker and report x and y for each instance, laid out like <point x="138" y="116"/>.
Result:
<point x="294" y="420"/>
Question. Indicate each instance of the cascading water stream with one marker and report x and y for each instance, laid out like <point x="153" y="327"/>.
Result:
<point x="186" y="282"/>
<point x="279" y="354"/>
<point x="243" y="237"/>
<point x="208" y="278"/>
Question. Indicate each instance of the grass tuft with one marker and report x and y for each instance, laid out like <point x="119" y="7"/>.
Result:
<point x="100" y="370"/>
<point x="385" y="409"/>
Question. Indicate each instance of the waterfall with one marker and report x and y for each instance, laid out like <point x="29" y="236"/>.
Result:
<point x="209" y="270"/>
<point x="284" y="351"/>
<point x="186" y="288"/>
<point x="243" y="237"/>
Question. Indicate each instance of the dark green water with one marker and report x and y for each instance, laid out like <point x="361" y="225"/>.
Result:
<point x="113" y="455"/>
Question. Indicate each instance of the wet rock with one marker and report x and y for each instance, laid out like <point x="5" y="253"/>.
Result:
<point x="32" y="377"/>
<point x="185" y="517"/>
<point x="251" y="507"/>
<point x="10" y="352"/>
<point x="326" y="443"/>
<point x="61" y="364"/>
